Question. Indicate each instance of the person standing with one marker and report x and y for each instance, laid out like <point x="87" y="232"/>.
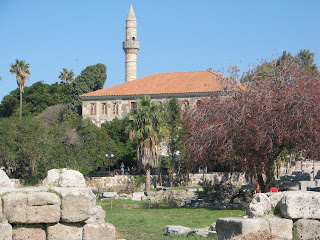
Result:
<point x="122" y="168"/>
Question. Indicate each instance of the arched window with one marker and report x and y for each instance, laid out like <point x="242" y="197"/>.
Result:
<point x="185" y="105"/>
<point x="133" y="38"/>
<point x="199" y="104"/>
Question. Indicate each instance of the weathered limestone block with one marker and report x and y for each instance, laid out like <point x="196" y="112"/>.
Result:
<point x="260" y="205"/>
<point x="75" y="206"/>
<point x="204" y="232"/>
<point x="34" y="207"/>
<point x="99" y="231"/>
<point x="110" y="194"/>
<point x="281" y="227"/>
<point x="176" y="230"/>
<point x="307" y="229"/>
<point x="64" y="231"/>
<point x="275" y="198"/>
<point x="43" y="207"/>
<point x="213" y="226"/>
<point x="15" y="207"/>
<point x="72" y="178"/>
<point x="52" y="178"/>
<point x="27" y="232"/>
<point x="97" y="214"/>
<point x="5" y="231"/>
<point x="229" y="227"/>
<point x="137" y="196"/>
<point x="5" y="180"/>
<point x="299" y="204"/>
<point x="64" y="178"/>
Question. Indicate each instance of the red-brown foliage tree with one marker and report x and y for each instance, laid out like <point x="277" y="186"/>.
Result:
<point x="248" y="129"/>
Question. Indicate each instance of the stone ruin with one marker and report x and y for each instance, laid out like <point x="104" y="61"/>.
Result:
<point x="277" y="214"/>
<point x="61" y="208"/>
<point x="280" y="213"/>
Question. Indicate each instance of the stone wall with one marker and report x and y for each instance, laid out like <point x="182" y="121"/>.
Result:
<point x="107" y="183"/>
<point x="189" y="180"/>
<point x="53" y="211"/>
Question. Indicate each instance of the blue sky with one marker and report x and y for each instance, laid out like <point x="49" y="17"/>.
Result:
<point x="174" y="35"/>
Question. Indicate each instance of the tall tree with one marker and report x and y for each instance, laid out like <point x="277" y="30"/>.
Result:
<point x="248" y="130"/>
<point x="22" y="71"/>
<point x="116" y="129"/>
<point x="36" y="98"/>
<point x="92" y="78"/>
<point x="66" y="76"/>
<point x="146" y="126"/>
<point x="306" y="59"/>
<point x="279" y="68"/>
<point x="175" y="136"/>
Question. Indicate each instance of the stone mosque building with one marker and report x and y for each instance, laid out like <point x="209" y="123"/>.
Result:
<point x="117" y="101"/>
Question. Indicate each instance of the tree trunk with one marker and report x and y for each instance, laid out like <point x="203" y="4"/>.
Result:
<point x="160" y="177"/>
<point x="148" y="179"/>
<point x="20" y="104"/>
<point x="261" y="183"/>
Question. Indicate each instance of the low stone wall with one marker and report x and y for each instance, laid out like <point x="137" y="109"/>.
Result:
<point x="52" y="212"/>
<point x="107" y="183"/>
<point x="188" y="180"/>
<point x="296" y="211"/>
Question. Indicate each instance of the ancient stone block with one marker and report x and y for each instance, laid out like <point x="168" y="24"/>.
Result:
<point x="204" y="232"/>
<point x="52" y="178"/>
<point x="99" y="231"/>
<point x="229" y="227"/>
<point x="5" y="231"/>
<point x="213" y="226"/>
<point x="64" y="231"/>
<point x="37" y="207"/>
<point x="97" y="214"/>
<point x="75" y="206"/>
<point x="299" y="204"/>
<point x="5" y="180"/>
<point x="260" y="205"/>
<point x="44" y="214"/>
<point x="176" y="230"/>
<point x="64" y="178"/>
<point x="110" y="194"/>
<point x="275" y="198"/>
<point x="27" y="232"/>
<point x="138" y="195"/>
<point x="43" y="198"/>
<point x="15" y="207"/>
<point x="72" y="178"/>
<point x="281" y="227"/>
<point x="307" y="229"/>
<point x="43" y="207"/>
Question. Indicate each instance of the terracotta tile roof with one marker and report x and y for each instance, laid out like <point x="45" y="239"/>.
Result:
<point x="169" y="83"/>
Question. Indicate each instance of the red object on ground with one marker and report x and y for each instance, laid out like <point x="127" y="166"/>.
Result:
<point x="274" y="189"/>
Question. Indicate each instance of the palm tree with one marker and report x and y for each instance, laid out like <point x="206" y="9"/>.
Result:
<point x="22" y="71"/>
<point x="66" y="76"/>
<point x="146" y="126"/>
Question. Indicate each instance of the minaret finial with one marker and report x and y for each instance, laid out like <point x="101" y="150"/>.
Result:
<point x="131" y="46"/>
<point x="131" y="15"/>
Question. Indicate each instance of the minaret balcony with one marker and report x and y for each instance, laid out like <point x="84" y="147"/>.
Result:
<point x="131" y="44"/>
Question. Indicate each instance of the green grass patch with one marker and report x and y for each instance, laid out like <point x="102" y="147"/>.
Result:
<point x="135" y="220"/>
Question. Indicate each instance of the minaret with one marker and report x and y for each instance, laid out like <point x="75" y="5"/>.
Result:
<point x="131" y="46"/>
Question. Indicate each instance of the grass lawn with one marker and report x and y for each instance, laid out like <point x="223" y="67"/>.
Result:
<point x="136" y="221"/>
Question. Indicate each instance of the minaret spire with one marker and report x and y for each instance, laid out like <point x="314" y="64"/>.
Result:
<point x="131" y="46"/>
<point x="131" y="15"/>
